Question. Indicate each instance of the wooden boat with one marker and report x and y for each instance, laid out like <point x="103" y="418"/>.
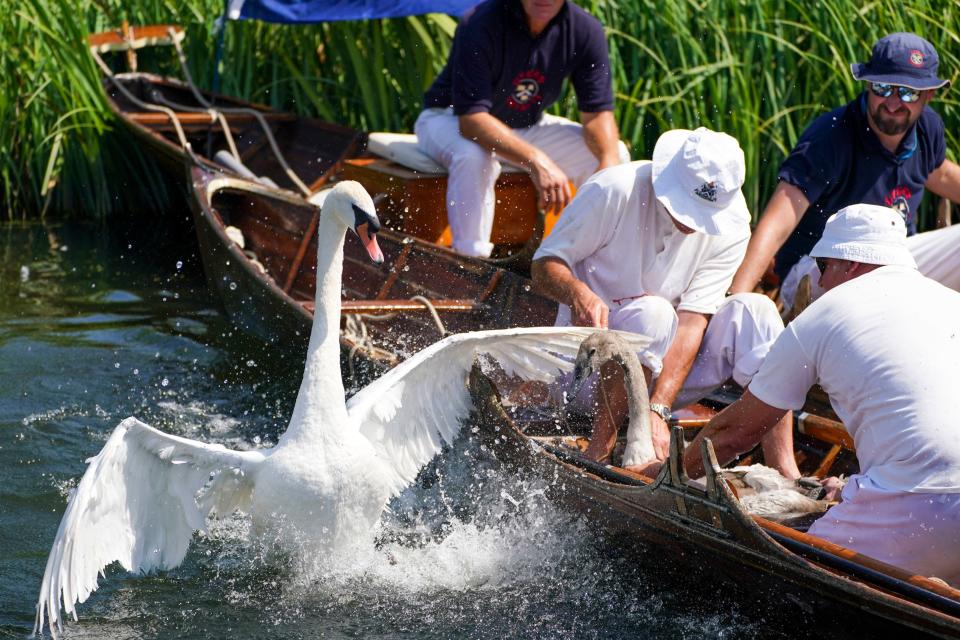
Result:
<point x="420" y="293"/>
<point x="783" y="570"/>
<point x="177" y="122"/>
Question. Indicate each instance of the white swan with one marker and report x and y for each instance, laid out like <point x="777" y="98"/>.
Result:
<point x="329" y="476"/>
<point x="605" y="346"/>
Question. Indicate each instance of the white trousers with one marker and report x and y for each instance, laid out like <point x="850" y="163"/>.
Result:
<point x="919" y="532"/>
<point x="738" y="338"/>
<point x="473" y="171"/>
<point x="937" y="254"/>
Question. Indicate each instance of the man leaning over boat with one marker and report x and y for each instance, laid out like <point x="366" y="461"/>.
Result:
<point x="651" y="247"/>
<point x="506" y="67"/>
<point x="885" y="147"/>
<point x="884" y="344"/>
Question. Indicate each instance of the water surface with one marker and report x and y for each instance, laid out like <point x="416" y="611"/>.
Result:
<point x="92" y="332"/>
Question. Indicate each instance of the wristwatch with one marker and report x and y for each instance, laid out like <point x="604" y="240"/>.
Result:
<point x="661" y="410"/>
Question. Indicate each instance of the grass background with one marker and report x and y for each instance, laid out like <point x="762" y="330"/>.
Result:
<point x="756" y="69"/>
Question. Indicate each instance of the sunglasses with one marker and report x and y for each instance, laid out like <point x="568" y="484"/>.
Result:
<point x="821" y="265"/>
<point x="886" y="90"/>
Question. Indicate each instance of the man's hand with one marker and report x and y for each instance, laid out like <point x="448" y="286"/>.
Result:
<point x="587" y="309"/>
<point x="551" y="182"/>
<point x="661" y="436"/>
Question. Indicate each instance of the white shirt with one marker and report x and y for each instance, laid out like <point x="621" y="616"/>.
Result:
<point x="885" y="346"/>
<point x="619" y="241"/>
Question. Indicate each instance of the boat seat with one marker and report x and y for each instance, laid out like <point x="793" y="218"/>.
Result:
<point x="404" y="149"/>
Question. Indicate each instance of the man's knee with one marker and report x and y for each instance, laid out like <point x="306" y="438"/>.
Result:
<point x="470" y="159"/>
<point x="653" y="317"/>
<point x="757" y="307"/>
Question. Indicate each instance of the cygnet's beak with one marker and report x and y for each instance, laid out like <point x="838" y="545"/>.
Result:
<point x="581" y="371"/>
<point x="369" y="241"/>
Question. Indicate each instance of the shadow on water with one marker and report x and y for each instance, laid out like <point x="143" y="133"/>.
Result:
<point x="94" y="328"/>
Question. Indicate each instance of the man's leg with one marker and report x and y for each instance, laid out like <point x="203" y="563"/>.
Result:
<point x="562" y="140"/>
<point x="919" y="532"/>
<point x="472" y="174"/>
<point x="937" y="255"/>
<point x="737" y="340"/>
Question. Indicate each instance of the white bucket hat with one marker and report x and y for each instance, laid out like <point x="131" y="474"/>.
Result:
<point x="865" y="233"/>
<point x="697" y="176"/>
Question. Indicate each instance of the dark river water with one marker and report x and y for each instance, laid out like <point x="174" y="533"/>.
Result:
<point x="92" y="332"/>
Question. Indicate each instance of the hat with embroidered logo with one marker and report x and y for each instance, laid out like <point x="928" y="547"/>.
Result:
<point x="697" y="176"/>
<point x="903" y="59"/>
<point x="865" y="233"/>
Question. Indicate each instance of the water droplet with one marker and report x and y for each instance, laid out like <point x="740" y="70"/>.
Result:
<point x="251" y="363"/>
<point x="233" y="286"/>
<point x="116" y="365"/>
<point x="165" y="382"/>
<point x="179" y="264"/>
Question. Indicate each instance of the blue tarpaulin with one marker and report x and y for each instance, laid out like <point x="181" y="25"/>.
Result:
<point x="308" y="11"/>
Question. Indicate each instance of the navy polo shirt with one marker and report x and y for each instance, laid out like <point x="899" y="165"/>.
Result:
<point x="839" y="161"/>
<point x="496" y="66"/>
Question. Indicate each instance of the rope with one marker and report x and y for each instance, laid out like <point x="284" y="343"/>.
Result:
<point x="140" y="103"/>
<point x="256" y="114"/>
<point x="355" y="329"/>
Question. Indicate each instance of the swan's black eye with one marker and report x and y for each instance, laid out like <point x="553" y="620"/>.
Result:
<point x="360" y="216"/>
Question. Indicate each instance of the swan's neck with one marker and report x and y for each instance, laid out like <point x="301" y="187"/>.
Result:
<point x="320" y="409"/>
<point x="639" y="431"/>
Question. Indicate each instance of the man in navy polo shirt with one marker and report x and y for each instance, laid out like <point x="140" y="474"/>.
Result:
<point x="883" y="148"/>
<point x="507" y="65"/>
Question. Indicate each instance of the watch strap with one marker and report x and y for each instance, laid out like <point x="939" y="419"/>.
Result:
<point x="661" y="410"/>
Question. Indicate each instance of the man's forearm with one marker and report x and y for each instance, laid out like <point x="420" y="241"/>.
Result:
<point x="733" y="431"/>
<point x="787" y="205"/>
<point x="493" y="135"/>
<point x="602" y="137"/>
<point x="553" y="279"/>
<point x="679" y="358"/>
<point x="945" y="181"/>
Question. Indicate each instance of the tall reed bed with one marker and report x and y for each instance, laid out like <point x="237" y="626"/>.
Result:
<point x="757" y="70"/>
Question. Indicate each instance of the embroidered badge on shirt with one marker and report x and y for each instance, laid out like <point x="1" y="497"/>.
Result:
<point x="916" y="58"/>
<point x="526" y="90"/>
<point x="707" y="191"/>
<point x="899" y="200"/>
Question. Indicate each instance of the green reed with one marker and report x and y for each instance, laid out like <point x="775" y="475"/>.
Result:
<point x="758" y="70"/>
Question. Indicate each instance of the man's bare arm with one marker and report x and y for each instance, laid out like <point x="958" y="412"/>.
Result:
<point x="733" y="431"/>
<point x="554" y="279"/>
<point x="784" y="210"/>
<point x="945" y="181"/>
<point x="676" y="366"/>
<point x="602" y="137"/>
<point x="490" y="133"/>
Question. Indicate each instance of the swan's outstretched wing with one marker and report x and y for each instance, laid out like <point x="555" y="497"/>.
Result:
<point x="413" y="409"/>
<point x="138" y="503"/>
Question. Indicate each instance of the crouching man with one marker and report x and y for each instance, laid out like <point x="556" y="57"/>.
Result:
<point x="651" y="247"/>
<point x="883" y="342"/>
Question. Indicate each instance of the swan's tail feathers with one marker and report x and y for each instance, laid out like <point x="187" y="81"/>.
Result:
<point x="137" y="504"/>
<point x="411" y="411"/>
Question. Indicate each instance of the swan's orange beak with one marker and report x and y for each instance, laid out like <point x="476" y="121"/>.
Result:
<point x="369" y="241"/>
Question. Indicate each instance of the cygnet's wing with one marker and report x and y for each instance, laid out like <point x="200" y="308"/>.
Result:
<point x="416" y="407"/>
<point x="138" y="503"/>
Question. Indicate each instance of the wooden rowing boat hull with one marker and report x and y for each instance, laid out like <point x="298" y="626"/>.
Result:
<point x="710" y="536"/>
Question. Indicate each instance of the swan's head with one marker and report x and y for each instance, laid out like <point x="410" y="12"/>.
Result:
<point x="352" y="206"/>
<point x="596" y="349"/>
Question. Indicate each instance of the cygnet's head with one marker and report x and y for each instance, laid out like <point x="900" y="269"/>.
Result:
<point x="596" y="349"/>
<point x="350" y="203"/>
